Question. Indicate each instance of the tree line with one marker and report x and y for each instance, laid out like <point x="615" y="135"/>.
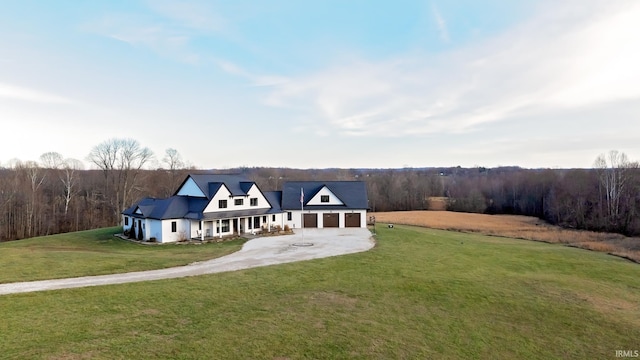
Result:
<point x="56" y="194"/>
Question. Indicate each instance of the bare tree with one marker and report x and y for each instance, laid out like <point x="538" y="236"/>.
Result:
<point x="613" y="173"/>
<point x="66" y="170"/>
<point x="51" y="160"/>
<point x="36" y="177"/>
<point x="69" y="179"/>
<point x="174" y="163"/>
<point x="121" y="161"/>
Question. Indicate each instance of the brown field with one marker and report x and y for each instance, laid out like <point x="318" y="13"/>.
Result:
<point x="437" y="203"/>
<point x="518" y="227"/>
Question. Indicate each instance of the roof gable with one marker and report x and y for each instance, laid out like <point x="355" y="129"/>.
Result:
<point x="209" y="184"/>
<point x="190" y="188"/>
<point x="351" y="194"/>
<point x="324" y="193"/>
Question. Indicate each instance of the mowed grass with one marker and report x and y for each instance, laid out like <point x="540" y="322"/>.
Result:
<point x="518" y="227"/>
<point x="420" y="293"/>
<point x="96" y="252"/>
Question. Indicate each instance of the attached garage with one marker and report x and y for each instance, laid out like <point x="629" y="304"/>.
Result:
<point x="352" y="220"/>
<point x="330" y="220"/>
<point x="310" y="220"/>
<point x="324" y="204"/>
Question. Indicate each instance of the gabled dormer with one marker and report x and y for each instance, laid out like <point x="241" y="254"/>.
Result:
<point x="324" y="196"/>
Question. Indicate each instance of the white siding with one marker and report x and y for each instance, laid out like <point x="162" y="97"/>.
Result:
<point x="317" y="199"/>
<point x="182" y="230"/>
<point x="190" y="188"/>
<point x="126" y="226"/>
<point x="296" y="217"/>
<point x="224" y="194"/>
<point x="155" y="230"/>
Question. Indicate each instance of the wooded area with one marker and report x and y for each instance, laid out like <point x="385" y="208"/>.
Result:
<point x="55" y="194"/>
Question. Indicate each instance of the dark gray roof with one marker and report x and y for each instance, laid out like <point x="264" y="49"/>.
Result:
<point x="352" y="193"/>
<point x="175" y="207"/>
<point x="238" y="185"/>
<point x="275" y="199"/>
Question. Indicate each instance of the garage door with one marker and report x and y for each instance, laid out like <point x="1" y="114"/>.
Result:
<point x="311" y="220"/>
<point x="352" y="220"/>
<point x="330" y="220"/>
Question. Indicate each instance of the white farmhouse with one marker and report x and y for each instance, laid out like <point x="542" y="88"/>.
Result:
<point x="214" y="205"/>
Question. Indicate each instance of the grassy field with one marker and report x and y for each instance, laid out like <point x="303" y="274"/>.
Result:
<point x="517" y="227"/>
<point x="96" y="252"/>
<point x="420" y="293"/>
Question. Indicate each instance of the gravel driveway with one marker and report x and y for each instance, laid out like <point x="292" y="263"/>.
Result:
<point x="257" y="252"/>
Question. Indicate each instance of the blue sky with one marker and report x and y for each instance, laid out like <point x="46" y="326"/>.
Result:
<point x="324" y="84"/>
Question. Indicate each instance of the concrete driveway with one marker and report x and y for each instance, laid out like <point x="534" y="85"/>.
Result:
<point x="261" y="251"/>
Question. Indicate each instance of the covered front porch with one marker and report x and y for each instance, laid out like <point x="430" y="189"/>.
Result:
<point x="220" y="225"/>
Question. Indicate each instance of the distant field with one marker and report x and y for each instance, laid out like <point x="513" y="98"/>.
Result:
<point x="518" y="227"/>
<point x="419" y="294"/>
<point x="96" y="252"/>
<point x="437" y="203"/>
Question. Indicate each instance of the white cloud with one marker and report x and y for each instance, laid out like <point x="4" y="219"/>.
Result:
<point x="563" y="57"/>
<point x="191" y="14"/>
<point x="440" y="23"/>
<point x="25" y="94"/>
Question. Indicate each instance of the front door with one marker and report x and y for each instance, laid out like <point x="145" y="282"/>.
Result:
<point x="235" y="226"/>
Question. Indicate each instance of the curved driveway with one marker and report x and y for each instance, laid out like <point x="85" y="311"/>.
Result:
<point x="261" y="251"/>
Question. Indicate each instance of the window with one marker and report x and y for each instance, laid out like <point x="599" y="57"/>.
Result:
<point x="289" y="216"/>
<point x="264" y="219"/>
<point x="324" y="198"/>
<point x="273" y="218"/>
<point x="174" y="226"/>
<point x="222" y="204"/>
<point x="225" y="225"/>
<point x="199" y="225"/>
<point x="239" y="202"/>
<point x="253" y="201"/>
<point x="126" y="220"/>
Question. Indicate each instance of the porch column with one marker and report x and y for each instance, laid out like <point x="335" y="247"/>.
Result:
<point x="220" y="227"/>
<point x="239" y="225"/>
<point x="201" y="230"/>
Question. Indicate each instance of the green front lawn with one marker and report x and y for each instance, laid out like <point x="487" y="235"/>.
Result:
<point x="419" y="294"/>
<point x="96" y="252"/>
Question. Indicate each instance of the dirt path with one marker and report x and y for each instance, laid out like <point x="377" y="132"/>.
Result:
<point x="257" y="252"/>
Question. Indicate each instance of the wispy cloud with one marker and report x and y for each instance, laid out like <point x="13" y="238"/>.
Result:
<point x="14" y="92"/>
<point x="168" y="28"/>
<point x="197" y="15"/>
<point x="566" y="59"/>
<point x="440" y="23"/>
